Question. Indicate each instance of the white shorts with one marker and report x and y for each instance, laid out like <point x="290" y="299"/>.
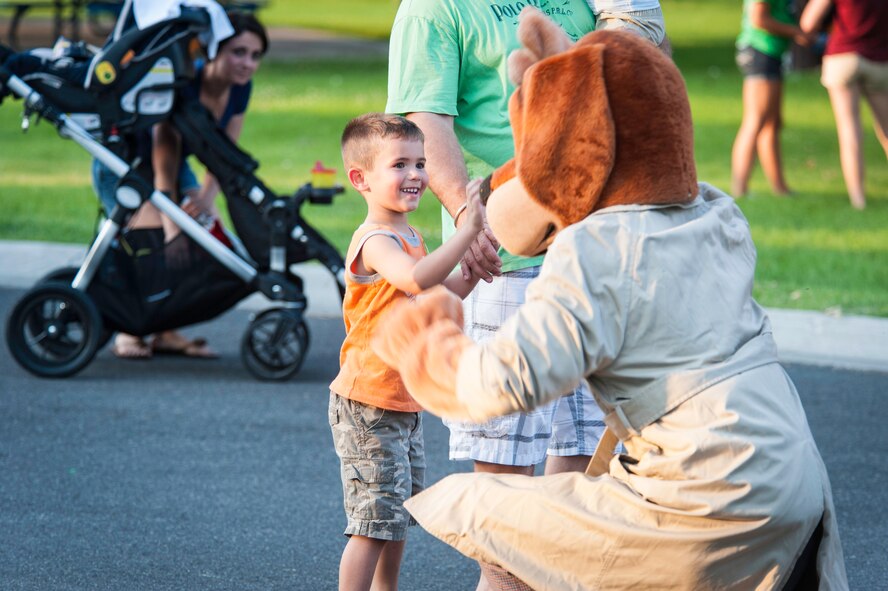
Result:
<point x="850" y="69"/>
<point x="569" y="426"/>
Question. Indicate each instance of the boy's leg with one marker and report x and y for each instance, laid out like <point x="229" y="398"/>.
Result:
<point x="388" y="568"/>
<point x="359" y="562"/>
<point x="381" y="457"/>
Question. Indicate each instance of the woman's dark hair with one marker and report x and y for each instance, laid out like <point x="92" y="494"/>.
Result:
<point x="244" y="22"/>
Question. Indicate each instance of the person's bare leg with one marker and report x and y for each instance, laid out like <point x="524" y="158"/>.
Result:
<point x="846" y="108"/>
<point x="358" y="563"/>
<point x="559" y="464"/>
<point x="878" y="102"/>
<point x="743" y="152"/>
<point x="768" y="140"/>
<point x="388" y="568"/>
<point x="489" y="468"/>
<point x="127" y="346"/>
<point x="147" y="216"/>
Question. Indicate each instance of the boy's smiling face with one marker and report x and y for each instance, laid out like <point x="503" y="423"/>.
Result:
<point x="398" y="176"/>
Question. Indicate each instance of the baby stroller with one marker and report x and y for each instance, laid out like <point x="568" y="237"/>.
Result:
<point x="131" y="281"/>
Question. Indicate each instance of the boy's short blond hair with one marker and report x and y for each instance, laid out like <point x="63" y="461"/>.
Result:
<point x="363" y="137"/>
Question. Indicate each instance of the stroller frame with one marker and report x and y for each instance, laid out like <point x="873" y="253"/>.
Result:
<point x="39" y="330"/>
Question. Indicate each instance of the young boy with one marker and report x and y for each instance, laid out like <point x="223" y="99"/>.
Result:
<point x="377" y="427"/>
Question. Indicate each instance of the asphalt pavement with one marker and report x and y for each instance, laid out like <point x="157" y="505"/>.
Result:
<point x="177" y="474"/>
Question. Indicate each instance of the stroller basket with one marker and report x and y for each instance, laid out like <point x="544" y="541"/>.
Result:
<point x="132" y="281"/>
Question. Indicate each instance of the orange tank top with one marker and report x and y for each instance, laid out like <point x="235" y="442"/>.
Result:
<point x="362" y="375"/>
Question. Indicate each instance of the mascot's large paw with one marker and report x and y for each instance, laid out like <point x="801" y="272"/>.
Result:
<point x="423" y="340"/>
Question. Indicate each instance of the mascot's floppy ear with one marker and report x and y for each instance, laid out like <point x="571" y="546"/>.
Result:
<point x="541" y="38"/>
<point x="606" y="122"/>
<point x="556" y="132"/>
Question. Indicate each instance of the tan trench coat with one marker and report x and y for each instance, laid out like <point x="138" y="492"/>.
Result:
<point x="721" y="484"/>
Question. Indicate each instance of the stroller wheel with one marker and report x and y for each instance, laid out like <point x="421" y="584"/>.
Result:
<point x="54" y="330"/>
<point x="275" y="344"/>
<point x="66" y="275"/>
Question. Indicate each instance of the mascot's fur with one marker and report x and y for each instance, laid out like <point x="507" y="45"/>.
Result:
<point x="646" y="293"/>
<point x="591" y="123"/>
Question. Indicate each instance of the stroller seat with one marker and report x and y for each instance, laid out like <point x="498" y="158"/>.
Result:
<point x="127" y="86"/>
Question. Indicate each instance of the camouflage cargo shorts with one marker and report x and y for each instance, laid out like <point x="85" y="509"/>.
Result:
<point x="382" y="462"/>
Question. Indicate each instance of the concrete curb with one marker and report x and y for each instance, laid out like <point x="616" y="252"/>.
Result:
<point x="810" y="338"/>
<point x="22" y="263"/>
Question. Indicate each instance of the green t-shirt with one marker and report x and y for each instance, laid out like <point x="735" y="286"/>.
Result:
<point x="750" y="36"/>
<point x="449" y="57"/>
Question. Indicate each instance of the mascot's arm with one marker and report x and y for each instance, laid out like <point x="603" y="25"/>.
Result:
<point x="423" y="340"/>
<point x="570" y="326"/>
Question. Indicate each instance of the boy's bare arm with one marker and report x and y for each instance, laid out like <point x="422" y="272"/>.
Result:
<point x="459" y="285"/>
<point x="383" y="255"/>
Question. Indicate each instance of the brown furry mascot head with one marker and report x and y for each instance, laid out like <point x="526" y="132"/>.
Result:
<point x="603" y="122"/>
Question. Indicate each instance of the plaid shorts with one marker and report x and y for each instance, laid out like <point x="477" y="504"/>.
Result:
<point x="646" y="23"/>
<point x="569" y="426"/>
<point x="382" y="462"/>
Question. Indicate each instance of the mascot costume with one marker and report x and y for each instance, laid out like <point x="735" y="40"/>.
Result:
<point x="646" y="293"/>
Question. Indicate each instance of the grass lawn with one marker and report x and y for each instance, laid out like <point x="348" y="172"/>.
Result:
<point x="363" y="18"/>
<point x="815" y="251"/>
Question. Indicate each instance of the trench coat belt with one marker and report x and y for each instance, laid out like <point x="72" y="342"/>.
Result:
<point x="627" y="418"/>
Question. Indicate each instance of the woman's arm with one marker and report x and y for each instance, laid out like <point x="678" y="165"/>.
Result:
<point x="760" y="18"/>
<point x="814" y="14"/>
<point x="166" y="153"/>
<point x="206" y="197"/>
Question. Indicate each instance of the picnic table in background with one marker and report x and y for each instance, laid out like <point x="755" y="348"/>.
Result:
<point x="100" y="15"/>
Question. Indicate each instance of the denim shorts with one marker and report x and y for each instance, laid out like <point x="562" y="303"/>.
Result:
<point x="382" y="461"/>
<point x="755" y="64"/>
<point x="569" y="426"/>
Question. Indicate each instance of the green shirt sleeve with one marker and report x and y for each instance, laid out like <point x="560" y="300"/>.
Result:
<point x="425" y="80"/>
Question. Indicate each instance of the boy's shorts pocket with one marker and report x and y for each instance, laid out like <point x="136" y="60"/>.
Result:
<point x="370" y="490"/>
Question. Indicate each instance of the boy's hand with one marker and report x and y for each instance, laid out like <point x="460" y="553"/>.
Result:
<point x="481" y="260"/>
